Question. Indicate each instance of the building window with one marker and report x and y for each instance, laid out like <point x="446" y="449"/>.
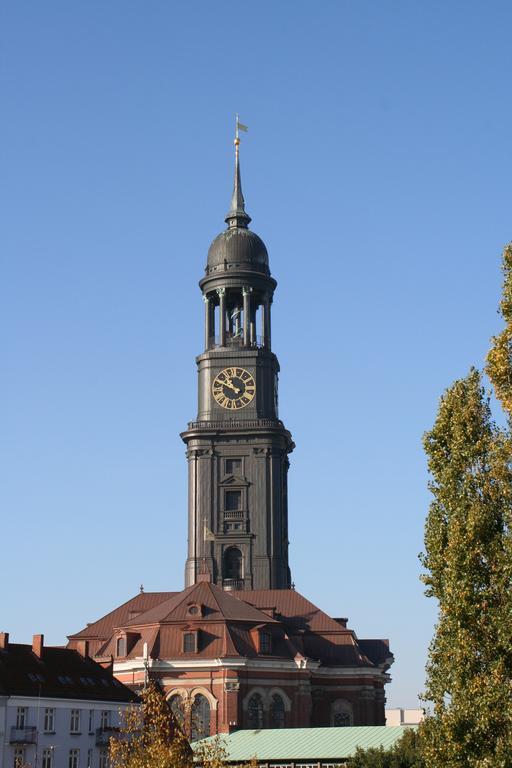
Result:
<point x="121" y="646"/>
<point x="265" y="642"/>
<point x="341" y="719"/>
<point x="89" y="758"/>
<point x="190" y="642"/>
<point x="91" y="720"/>
<point x="233" y="563"/>
<point x="233" y="466"/>
<point x="19" y="757"/>
<point x="200" y="717"/>
<point x="73" y="758"/>
<point x="103" y="762"/>
<point x="105" y="718"/>
<point x="277" y="711"/>
<point x="21" y="717"/>
<point x="74" y="722"/>
<point x="49" y="720"/>
<point x="255" y="712"/>
<point x="47" y="761"/>
<point x="233" y="501"/>
<point x="177" y="709"/>
<point x="341" y="713"/>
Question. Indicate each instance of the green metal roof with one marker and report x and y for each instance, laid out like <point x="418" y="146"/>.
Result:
<point x="306" y="743"/>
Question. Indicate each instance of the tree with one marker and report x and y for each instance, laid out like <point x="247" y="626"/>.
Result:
<point x="468" y="562"/>
<point x="499" y="359"/>
<point x="150" y="737"/>
<point x="406" y="753"/>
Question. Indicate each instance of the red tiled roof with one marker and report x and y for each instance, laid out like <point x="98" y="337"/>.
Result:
<point x="294" y="609"/>
<point x="225" y="623"/>
<point x="217" y="605"/>
<point x="142" y="602"/>
<point x="58" y="673"/>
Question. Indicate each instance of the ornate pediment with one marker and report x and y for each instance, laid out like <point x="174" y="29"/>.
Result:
<point x="236" y="481"/>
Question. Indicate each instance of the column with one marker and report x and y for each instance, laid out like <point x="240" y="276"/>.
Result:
<point x="207" y="322"/>
<point x="252" y="331"/>
<point x="269" y="322"/>
<point x="246" y="292"/>
<point x="222" y="316"/>
<point x="265" y="322"/>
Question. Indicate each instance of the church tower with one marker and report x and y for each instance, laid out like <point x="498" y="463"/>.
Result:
<point x="237" y="448"/>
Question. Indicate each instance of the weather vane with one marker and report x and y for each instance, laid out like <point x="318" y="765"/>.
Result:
<point x="239" y="127"/>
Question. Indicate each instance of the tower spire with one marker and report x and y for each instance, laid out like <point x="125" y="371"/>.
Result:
<point x="237" y="217"/>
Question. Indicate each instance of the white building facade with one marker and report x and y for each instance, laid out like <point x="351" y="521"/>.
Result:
<point x="71" y="730"/>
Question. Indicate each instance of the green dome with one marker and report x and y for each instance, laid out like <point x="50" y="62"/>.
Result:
<point x="238" y="248"/>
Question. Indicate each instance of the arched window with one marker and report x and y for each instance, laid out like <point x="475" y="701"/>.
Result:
<point x="277" y="711"/>
<point x="255" y="712"/>
<point x="200" y="716"/>
<point x="177" y="709"/>
<point x="341" y="713"/>
<point x="233" y="563"/>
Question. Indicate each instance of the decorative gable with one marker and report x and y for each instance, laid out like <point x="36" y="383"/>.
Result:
<point x="234" y="480"/>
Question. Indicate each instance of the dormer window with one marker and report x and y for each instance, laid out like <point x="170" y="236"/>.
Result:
<point x="194" y="610"/>
<point x="265" y="642"/>
<point x="121" y="646"/>
<point x="190" y="644"/>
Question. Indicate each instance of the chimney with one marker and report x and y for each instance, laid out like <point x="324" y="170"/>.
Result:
<point x="37" y="645"/>
<point x="82" y="647"/>
<point x="4" y="641"/>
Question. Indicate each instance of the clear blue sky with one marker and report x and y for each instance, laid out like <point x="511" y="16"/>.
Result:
<point x="377" y="170"/>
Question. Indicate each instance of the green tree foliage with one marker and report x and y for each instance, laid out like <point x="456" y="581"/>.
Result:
<point x="406" y="753"/>
<point x="468" y="562"/>
<point x="499" y="359"/>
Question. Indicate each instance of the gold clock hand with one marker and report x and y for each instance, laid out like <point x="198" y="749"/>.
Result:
<point x="230" y="384"/>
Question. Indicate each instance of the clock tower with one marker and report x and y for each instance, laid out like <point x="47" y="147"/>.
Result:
<point x="237" y="448"/>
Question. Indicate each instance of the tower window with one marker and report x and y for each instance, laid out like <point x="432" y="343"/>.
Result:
<point x="233" y="501"/>
<point x="233" y="563"/>
<point x="233" y="466"/>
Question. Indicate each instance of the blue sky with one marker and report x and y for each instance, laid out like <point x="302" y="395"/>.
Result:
<point x="377" y="170"/>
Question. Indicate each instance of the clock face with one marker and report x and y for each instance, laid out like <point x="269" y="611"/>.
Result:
<point x="233" y="388"/>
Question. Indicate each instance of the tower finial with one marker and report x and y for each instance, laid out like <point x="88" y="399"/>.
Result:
<point x="237" y="217"/>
